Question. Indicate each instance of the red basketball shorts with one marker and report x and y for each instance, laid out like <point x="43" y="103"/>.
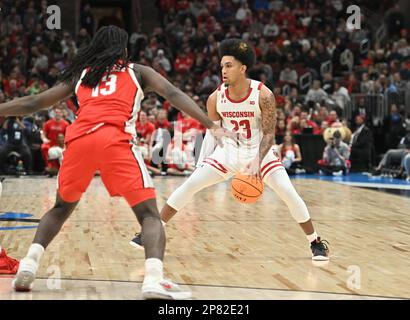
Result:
<point x="119" y="161"/>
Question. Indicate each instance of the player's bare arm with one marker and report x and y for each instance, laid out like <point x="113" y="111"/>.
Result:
<point x="153" y="81"/>
<point x="34" y="103"/>
<point x="267" y="105"/>
<point x="268" y="113"/>
<point x="211" y="107"/>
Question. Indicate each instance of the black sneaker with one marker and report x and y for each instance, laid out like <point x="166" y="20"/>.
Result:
<point x="137" y="242"/>
<point x="320" y="250"/>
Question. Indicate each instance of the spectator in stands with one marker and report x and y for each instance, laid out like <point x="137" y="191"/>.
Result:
<point x="178" y="156"/>
<point x="290" y="155"/>
<point x="366" y="85"/>
<point x="320" y="114"/>
<point x="361" y="146"/>
<point x="87" y="19"/>
<point x="396" y="83"/>
<point x="304" y="116"/>
<point x="395" y="20"/>
<point x="83" y="38"/>
<point x="145" y="131"/>
<point x="335" y="160"/>
<point x="55" y="156"/>
<point x="393" y="127"/>
<point x="271" y="29"/>
<point x="183" y="63"/>
<point x="151" y="103"/>
<point x="288" y="75"/>
<point x="40" y="60"/>
<point x="164" y="61"/>
<point x="328" y="83"/>
<point x="294" y="125"/>
<point x="280" y="130"/>
<point x="398" y="157"/>
<point x="294" y="97"/>
<point x="316" y="93"/>
<point x="51" y="129"/>
<point x="162" y="120"/>
<point x="323" y="126"/>
<point x="332" y="118"/>
<point x="404" y="71"/>
<point x="341" y="95"/>
<point x="352" y="84"/>
<point x="15" y="134"/>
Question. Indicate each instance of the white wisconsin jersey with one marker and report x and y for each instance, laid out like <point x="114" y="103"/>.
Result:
<point x="242" y="116"/>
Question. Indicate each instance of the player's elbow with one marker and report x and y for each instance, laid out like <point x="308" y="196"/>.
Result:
<point x="172" y="93"/>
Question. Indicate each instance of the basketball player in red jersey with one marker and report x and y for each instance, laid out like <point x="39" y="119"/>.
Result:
<point x="109" y="90"/>
<point x="248" y="107"/>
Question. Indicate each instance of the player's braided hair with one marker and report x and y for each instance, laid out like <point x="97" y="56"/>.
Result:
<point x="239" y="49"/>
<point x="106" y="50"/>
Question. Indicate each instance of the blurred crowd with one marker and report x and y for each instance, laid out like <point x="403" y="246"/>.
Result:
<point x="321" y="72"/>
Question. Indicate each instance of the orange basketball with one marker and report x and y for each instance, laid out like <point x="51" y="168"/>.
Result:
<point x="246" y="189"/>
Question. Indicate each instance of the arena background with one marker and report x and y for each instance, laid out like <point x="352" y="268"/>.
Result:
<point x="324" y="75"/>
<point x="362" y="71"/>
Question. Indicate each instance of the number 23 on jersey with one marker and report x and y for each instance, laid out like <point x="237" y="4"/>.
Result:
<point x="244" y="125"/>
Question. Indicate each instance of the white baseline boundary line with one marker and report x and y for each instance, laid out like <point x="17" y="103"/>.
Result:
<point x="375" y="185"/>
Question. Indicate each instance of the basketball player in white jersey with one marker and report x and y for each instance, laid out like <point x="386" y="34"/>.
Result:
<point x="249" y="108"/>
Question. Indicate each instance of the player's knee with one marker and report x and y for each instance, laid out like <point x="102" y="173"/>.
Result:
<point x="191" y="186"/>
<point x="146" y="210"/>
<point x="64" y="208"/>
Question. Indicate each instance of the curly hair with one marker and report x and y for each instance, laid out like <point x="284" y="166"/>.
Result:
<point x="240" y="50"/>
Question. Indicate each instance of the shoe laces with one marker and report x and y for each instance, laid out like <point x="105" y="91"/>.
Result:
<point x="321" y="244"/>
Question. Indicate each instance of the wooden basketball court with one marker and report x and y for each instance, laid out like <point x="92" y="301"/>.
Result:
<point x="217" y="247"/>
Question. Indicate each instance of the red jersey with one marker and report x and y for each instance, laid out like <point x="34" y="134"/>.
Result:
<point x="190" y="123"/>
<point x="116" y="101"/>
<point x="163" y="125"/>
<point x="145" y="130"/>
<point x="52" y="128"/>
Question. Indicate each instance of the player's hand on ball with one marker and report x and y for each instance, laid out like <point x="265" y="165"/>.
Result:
<point x="253" y="169"/>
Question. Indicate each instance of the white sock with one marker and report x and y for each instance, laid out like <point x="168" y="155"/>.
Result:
<point x="35" y="252"/>
<point x="163" y="223"/>
<point x="312" y="237"/>
<point x="153" y="270"/>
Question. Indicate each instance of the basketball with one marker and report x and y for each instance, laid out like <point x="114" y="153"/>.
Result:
<point x="246" y="189"/>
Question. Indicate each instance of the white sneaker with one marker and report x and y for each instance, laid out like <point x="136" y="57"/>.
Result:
<point x="338" y="173"/>
<point x="164" y="289"/>
<point x="26" y="275"/>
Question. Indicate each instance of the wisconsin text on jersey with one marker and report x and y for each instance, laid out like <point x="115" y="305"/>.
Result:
<point x="238" y="114"/>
